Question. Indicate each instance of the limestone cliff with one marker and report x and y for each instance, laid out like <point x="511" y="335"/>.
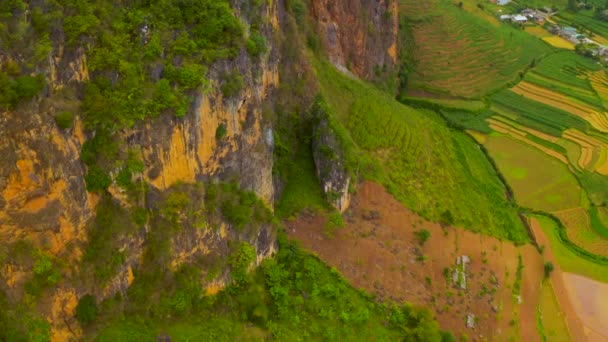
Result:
<point x="43" y="197"/>
<point x="222" y="139"/>
<point x="359" y="36"/>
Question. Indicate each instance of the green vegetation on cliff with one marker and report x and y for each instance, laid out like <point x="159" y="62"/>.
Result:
<point x="293" y="296"/>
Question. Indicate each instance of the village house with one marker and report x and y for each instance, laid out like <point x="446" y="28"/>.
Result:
<point x="520" y="19"/>
<point x="568" y="33"/>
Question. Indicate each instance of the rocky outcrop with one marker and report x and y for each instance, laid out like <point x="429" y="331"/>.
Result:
<point x="42" y="191"/>
<point x="359" y="35"/>
<point x="330" y="159"/>
<point x="43" y="197"/>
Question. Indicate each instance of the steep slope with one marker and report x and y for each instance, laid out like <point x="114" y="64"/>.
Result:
<point x="440" y="173"/>
<point x="136" y="111"/>
<point x="138" y="148"/>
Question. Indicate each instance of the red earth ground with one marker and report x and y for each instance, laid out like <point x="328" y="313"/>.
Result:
<point x="378" y="251"/>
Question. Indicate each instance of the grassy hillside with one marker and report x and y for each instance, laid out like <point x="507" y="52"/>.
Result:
<point x="437" y="172"/>
<point x="464" y="52"/>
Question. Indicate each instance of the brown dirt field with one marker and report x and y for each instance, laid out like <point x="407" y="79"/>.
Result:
<point x="377" y="250"/>
<point x="573" y="321"/>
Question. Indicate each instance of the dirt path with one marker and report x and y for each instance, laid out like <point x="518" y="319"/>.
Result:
<point x="379" y="251"/>
<point x="531" y="287"/>
<point x="574" y="323"/>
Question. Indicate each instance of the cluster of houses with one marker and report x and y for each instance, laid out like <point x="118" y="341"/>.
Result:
<point x="585" y="46"/>
<point x="571" y="34"/>
<point x="538" y="16"/>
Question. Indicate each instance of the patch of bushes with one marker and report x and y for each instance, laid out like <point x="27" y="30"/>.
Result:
<point x="518" y="276"/>
<point x="548" y="268"/>
<point x="96" y="180"/>
<point x="15" y="90"/>
<point x="240" y="261"/>
<point x="422" y="235"/>
<point x="240" y="208"/>
<point x="220" y="132"/>
<point x="86" y="310"/>
<point x="335" y="221"/>
<point x="111" y="224"/>
<point x="18" y="323"/>
<point x="256" y="45"/>
<point x="46" y="274"/>
<point x="64" y="119"/>
<point x="232" y="85"/>
<point x="237" y="213"/>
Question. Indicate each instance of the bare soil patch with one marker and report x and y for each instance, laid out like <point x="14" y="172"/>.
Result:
<point x="378" y="251"/>
<point x="590" y="302"/>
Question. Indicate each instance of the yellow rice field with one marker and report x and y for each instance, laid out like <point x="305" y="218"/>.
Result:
<point x="599" y="120"/>
<point x="559" y="42"/>
<point x="594" y="152"/>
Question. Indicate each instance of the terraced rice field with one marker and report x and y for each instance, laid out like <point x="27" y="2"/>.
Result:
<point x="599" y="220"/>
<point x="574" y="148"/>
<point x="569" y="74"/>
<point x="599" y="83"/>
<point x="534" y="114"/>
<point x="558" y="109"/>
<point x="462" y="54"/>
<point x="580" y="231"/>
<point x="595" y="116"/>
<point x="594" y="151"/>
<point x="538" y="180"/>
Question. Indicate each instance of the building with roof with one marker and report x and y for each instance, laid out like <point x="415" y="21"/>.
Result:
<point x="518" y="18"/>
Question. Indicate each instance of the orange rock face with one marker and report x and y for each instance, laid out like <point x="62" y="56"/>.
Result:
<point x="360" y="36"/>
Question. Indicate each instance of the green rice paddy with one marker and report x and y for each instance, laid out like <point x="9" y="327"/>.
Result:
<point x="539" y="181"/>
